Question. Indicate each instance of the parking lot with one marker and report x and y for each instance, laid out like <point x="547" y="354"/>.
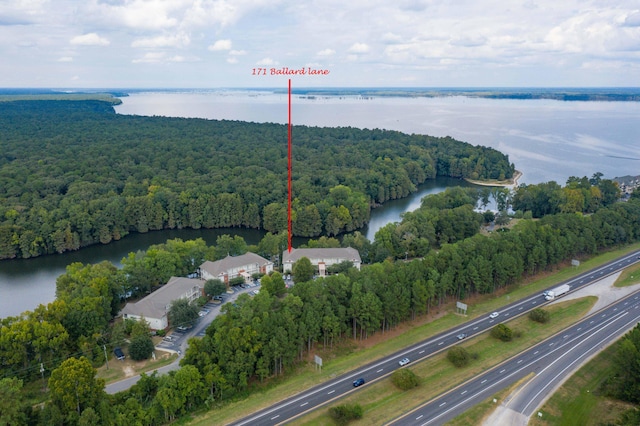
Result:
<point x="176" y="339"/>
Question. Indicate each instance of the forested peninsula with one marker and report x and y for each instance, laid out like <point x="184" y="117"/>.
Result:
<point x="74" y="173"/>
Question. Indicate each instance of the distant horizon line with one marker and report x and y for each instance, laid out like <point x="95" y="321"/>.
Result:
<point x="77" y="89"/>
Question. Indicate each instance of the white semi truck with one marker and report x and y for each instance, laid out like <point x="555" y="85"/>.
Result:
<point x="557" y="292"/>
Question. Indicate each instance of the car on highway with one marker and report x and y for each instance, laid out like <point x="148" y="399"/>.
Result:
<point x="358" y="382"/>
<point x="462" y="336"/>
<point x="404" y="361"/>
<point x="494" y="315"/>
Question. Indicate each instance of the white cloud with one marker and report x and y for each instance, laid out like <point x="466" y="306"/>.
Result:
<point x="326" y="52"/>
<point x="266" y="61"/>
<point x="632" y="19"/>
<point x="162" y="57"/>
<point x="220" y="45"/>
<point x="390" y="37"/>
<point x="177" y="40"/>
<point x="150" y="58"/>
<point x="359" y="48"/>
<point x="537" y="41"/>
<point x="136" y="14"/>
<point x="91" y="39"/>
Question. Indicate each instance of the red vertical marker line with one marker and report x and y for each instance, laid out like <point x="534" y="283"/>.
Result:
<point x="289" y="175"/>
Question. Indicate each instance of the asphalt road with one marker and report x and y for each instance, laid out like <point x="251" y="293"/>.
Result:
<point x="548" y="360"/>
<point x="180" y="341"/>
<point x="336" y="388"/>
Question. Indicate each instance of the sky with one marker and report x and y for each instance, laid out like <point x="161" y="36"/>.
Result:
<point x="357" y="43"/>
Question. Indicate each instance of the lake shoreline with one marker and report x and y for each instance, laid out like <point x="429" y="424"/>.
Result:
<point x="513" y="182"/>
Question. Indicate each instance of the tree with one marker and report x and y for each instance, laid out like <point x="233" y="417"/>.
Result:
<point x="214" y="287"/>
<point x="140" y="348"/>
<point x="502" y="218"/>
<point x="11" y="402"/>
<point x="405" y="379"/>
<point x="74" y="387"/>
<point x="274" y="284"/>
<point x="182" y="313"/>
<point x="539" y="315"/>
<point x="141" y="344"/>
<point x="343" y="414"/>
<point x="303" y="270"/>
<point x="459" y="356"/>
<point x="502" y="332"/>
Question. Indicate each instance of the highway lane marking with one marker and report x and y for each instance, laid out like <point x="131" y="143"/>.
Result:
<point x="302" y="405"/>
<point x="482" y="382"/>
<point x="511" y="374"/>
<point x="275" y="417"/>
<point x="565" y="336"/>
<point x="520" y="308"/>
<point x="330" y="392"/>
<point x="519" y="361"/>
<point x="421" y="352"/>
<point x="440" y="343"/>
<point x="425" y="344"/>
<point x="380" y="370"/>
<point x="536" y="352"/>
<point x="603" y="326"/>
<point x="420" y="416"/>
<point x="462" y="393"/>
<point x="443" y="404"/>
<point x="475" y="328"/>
<point x="502" y="371"/>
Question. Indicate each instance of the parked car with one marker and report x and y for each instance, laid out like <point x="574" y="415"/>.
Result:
<point x="118" y="353"/>
<point x="358" y="382"/>
<point x="404" y="361"/>
<point x="461" y="336"/>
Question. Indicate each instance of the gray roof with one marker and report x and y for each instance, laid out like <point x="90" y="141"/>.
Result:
<point x="220" y="267"/>
<point x="154" y="305"/>
<point x="346" y="253"/>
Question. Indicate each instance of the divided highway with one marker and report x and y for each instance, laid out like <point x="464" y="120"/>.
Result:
<point x="548" y="360"/>
<point x="322" y="394"/>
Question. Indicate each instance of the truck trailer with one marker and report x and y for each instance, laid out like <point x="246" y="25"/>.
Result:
<point x="557" y="292"/>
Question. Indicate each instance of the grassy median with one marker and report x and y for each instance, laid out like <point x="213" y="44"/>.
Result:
<point x="383" y="402"/>
<point x="351" y="355"/>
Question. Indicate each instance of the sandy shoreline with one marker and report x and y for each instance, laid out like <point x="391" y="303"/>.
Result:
<point x="504" y="183"/>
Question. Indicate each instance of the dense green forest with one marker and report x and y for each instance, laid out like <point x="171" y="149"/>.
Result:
<point x="624" y="382"/>
<point x="259" y="338"/>
<point x="74" y="173"/>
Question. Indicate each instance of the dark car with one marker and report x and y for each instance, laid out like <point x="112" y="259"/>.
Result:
<point x="358" y="382"/>
<point x="118" y="353"/>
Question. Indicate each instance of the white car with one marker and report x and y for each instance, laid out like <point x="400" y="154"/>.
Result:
<point x="494" y="315"/>
<point x="403" y="362"/>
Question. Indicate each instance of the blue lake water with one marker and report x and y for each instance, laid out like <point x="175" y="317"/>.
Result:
<point x="547" y="140"/>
